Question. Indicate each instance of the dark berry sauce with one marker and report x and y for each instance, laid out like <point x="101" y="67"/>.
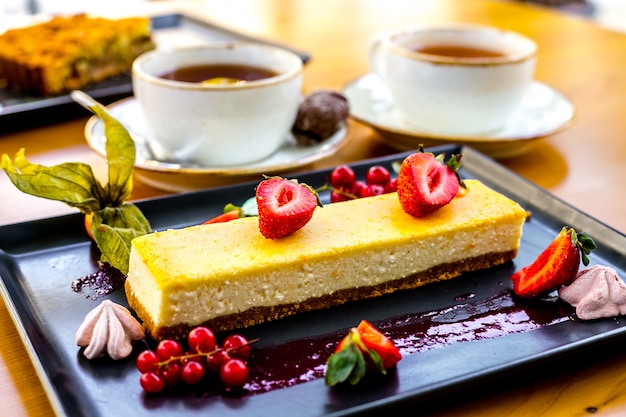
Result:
<point x="304" y="360"/>
<point x="100" y="283"/>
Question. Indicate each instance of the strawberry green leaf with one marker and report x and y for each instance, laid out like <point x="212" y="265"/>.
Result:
<point x="348" y="363"/>
<point x="230" y="207"/>
<point x="70" y="183"/>
<point x="586" y="245"/>
<point x="342" y="364"/>
<point x="454" y="162"/>
<point x="359" y="370"/>
<point x="377" y="361"/>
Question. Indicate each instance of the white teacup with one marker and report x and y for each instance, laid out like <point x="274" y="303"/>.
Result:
<point x="218" y="124"/>
<point x="439" y="91"/>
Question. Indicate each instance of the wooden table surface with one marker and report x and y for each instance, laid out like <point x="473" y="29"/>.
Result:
<point x="583" y="165"/>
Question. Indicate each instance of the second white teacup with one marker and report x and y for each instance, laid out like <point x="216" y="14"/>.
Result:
<point x="218" y="124"/>
<point x="454" y="79"/>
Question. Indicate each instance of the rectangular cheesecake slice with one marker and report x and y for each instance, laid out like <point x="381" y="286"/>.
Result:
<point x="227" y="275"/>
<point x="71" y="52"/>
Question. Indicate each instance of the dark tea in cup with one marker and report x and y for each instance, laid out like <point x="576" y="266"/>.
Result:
<point x="459" y="51"/>
<point x="200" y="73"/>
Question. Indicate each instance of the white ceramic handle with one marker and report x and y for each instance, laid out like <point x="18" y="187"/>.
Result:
<point x="376" y="54"/>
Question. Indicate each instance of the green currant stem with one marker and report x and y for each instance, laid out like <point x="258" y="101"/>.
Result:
<point x="336" y="190"/>
<point x="203" y="354"/>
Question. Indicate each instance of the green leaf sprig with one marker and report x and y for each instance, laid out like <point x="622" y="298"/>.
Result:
<point x="114" y="222"/>
<point x="351" y="361"/>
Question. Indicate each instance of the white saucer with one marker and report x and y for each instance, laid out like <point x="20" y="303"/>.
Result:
<point x="544" y="111"/>
<point x="177" y="178"/>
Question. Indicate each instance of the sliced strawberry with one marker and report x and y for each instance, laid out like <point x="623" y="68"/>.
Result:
<point x="231" y="212"/>
<point x="363" y="349"/>
<point x="426" y="183"/>
<point x="556" y="266"/>
<point x="284" y="206"/>
<point x="377" y="341"/>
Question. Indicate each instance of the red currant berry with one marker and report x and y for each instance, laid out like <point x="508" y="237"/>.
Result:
<point x="234" y="374"/>
<point x="336" y="197"/>
<point x="147" y="361"/>
<point x="342" y="177"/>
<point x="151" y="382"/>
<point x="360" y="189"/>
<point x="392" y="186"/>
<point x="170" y="374"/>
<point x="377" y="175"/>
<point x="192" y="372"/>
<point x="374" y="189"/>
<point x="167" y="349"/>
<point x="201" y="339"/>
<point x="215" y="361"/>
<point x="237" y="346"/>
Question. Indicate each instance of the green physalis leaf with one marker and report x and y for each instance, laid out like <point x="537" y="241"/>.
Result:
<point x="114" y="222"/>
<point x="121" y="154"/>
<point x="74" y="183"/>
<point x="71" y="183"/>
<point x="113" y="230"/>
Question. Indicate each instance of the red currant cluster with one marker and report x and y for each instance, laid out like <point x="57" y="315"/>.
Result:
<point x="168" y="365"/>
<point x="345" y="186"/>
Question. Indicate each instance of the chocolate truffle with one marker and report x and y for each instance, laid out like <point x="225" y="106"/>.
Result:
<point x="320" y="114"/>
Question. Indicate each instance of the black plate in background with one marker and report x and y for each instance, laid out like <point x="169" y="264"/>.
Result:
<point x="19" y="110"/>
<point x="39" y="260"/>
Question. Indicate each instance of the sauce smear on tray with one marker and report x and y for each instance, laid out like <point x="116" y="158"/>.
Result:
<point x="304" y="360"/>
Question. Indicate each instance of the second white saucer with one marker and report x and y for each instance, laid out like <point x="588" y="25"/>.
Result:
<point x="544" y="111"/>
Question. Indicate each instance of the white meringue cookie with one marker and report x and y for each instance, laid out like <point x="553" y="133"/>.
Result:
<point x="596" y="292"/>
<point x="108" y="329"/>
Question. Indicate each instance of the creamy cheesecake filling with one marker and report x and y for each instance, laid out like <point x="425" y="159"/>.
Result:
<point x="313" y="277"/>
<point x="185" y="277"/>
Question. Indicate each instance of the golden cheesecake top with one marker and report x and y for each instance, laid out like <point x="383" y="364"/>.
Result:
<point x="221" y="251"/>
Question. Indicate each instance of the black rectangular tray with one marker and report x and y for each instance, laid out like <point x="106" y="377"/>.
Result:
<point x="20" y="110"/>
<point x="40" y="259"/>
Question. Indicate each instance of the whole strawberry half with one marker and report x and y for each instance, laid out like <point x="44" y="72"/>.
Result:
<point x="427" y="183"/>
<point x="284" y="206"/>
<point x="364" y="348"/>
<point x="556" y="266"/>
<point x="375" y="340"/>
